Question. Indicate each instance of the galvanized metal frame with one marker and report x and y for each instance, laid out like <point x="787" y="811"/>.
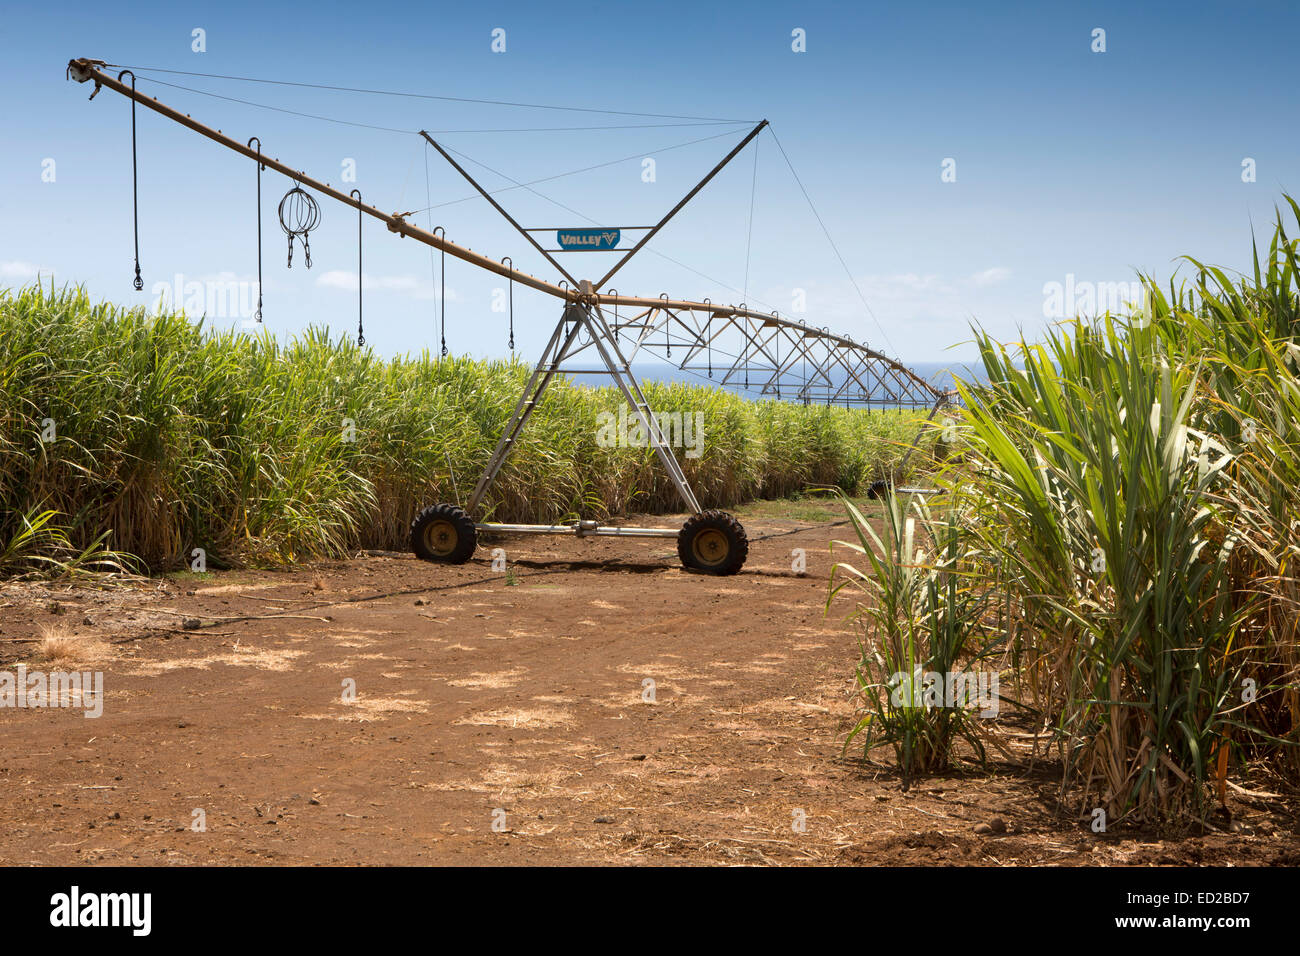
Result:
<point x="783" y="357"/>
<point x="577" y="317"/>
<point x="526" y="233"/>
<point x="585" y="314"/>
<point x="830" y="356"/>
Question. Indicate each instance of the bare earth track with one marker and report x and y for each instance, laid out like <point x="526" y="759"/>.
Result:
<point x="479" y="692"/>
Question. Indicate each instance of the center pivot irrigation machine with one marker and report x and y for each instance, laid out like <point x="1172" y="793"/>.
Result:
<point x="759" y="351"/>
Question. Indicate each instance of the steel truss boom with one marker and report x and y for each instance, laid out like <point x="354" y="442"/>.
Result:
<point x="737" y="348"/>
<point x="784" y="357"/>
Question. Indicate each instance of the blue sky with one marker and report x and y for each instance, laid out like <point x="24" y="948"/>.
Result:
<point x="1068" y="162"/>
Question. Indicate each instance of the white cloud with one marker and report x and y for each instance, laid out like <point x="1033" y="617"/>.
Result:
<point x="16" y="269"/>
<point x="226" y="276"/>
<point x="991" y="276"/>
<point x="901" y="286"/>
<point x="400" y="284"/>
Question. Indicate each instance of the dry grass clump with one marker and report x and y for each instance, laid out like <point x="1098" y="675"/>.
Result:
<point x="59" y="646"/>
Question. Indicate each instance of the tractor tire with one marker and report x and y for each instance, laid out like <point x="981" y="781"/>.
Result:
<point x="713" y="542"/>
<point x="443" y="533"/>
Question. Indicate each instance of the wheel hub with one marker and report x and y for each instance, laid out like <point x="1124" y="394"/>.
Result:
<point x="711" y="546"/>
<point x="440" y="537"/>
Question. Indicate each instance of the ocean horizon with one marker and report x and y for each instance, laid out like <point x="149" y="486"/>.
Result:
<point x="939" y="374"/>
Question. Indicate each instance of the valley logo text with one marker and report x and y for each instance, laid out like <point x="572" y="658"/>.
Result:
<point x="56" y="689"/>
<point x="103" y="909"/>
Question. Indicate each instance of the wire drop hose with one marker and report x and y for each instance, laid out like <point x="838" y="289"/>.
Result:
<point x="511" y="286"/>
<point x="257" y="316"/>
<point x="138" y="282"/>
<point x="361" y="332"/>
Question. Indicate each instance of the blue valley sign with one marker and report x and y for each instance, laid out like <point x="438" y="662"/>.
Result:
<point x="587" y="240"/>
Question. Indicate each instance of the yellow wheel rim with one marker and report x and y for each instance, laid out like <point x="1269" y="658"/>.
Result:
<point x="711" y="547"/>
<point x="440" y="537"/>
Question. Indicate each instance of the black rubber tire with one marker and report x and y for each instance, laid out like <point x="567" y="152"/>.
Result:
<point x="713" y="542"/>
<point x="443" y="533"/>
<point x="878" y="489"/>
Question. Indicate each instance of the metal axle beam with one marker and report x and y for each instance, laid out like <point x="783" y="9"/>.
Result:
<point x="581" y="529"/>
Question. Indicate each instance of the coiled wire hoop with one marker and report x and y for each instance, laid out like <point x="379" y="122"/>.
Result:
<point x="299" y="215"/>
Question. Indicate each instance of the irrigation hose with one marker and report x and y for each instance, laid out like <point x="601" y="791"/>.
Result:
<point x="361" y="332"/>
<point x="137" y="282"/>
<point x="511" y="293"/>
<point x="257" y="315"/>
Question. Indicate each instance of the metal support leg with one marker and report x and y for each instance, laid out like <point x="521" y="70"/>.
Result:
<point x="543" y="372"/>
<point x="618" y="368"/>
<point x="621" y="372"/>
<point x="940" y="402"/>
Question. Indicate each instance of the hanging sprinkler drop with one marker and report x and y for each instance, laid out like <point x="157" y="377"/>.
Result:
<point x="137" y="282"/>
<point x="511" y="294"/>
<point x="299" y="215"/>
<point x="361" y="332"/>
<point x="260" y="166"/>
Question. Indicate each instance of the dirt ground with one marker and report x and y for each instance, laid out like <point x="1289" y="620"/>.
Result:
<point x="503" y="718"/>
